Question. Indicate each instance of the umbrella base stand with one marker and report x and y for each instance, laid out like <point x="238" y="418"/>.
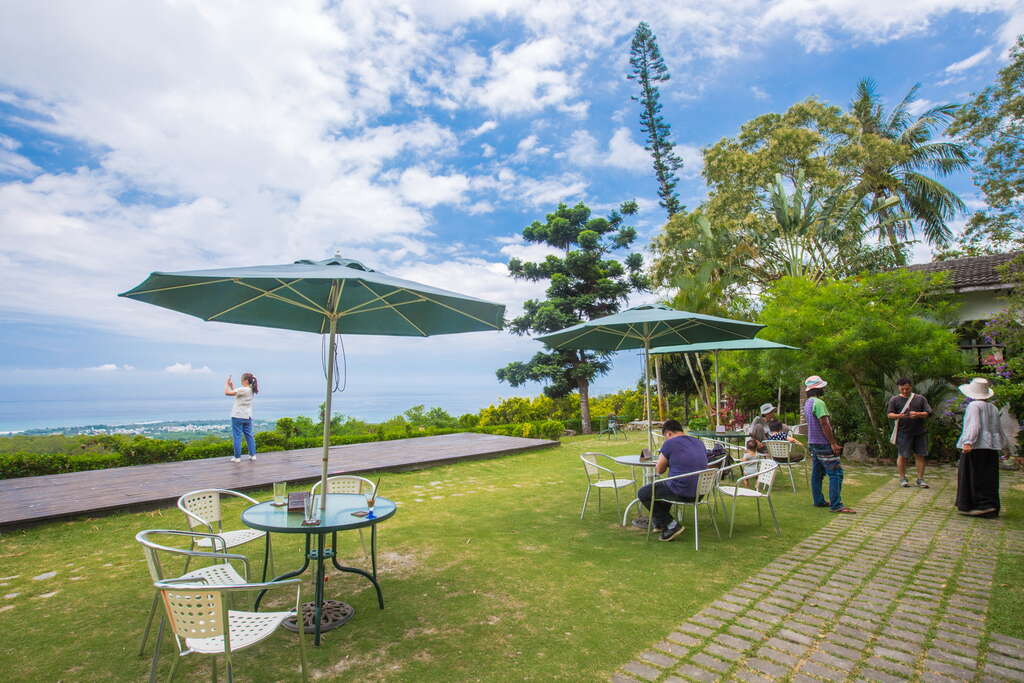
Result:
<point x="334" y="614"/>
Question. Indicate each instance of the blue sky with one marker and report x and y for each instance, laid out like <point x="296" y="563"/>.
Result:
<point x="418" y="137"/>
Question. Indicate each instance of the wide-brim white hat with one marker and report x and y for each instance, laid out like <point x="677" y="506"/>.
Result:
<point x="766" y="408"/>
<point x="978" y="388"/>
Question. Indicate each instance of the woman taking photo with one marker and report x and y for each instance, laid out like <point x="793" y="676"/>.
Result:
<point x="977" y="490"/>
<point x="241" y="413"/>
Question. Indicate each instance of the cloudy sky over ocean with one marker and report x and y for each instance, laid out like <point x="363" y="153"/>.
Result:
<point x="417" y="137"/>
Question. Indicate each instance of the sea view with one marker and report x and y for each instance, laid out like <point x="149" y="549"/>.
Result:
<point x="54" y="413"/>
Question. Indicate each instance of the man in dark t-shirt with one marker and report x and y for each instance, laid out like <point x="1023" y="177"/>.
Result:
<point x="909" y="410"/>
<point x="680" y="454"/>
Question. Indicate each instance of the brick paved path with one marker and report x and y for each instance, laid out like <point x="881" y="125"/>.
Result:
<point x="860" y="600"/>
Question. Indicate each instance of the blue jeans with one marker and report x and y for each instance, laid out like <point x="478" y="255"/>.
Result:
<point x="835" y="478"/>
<point x="240" y="426"/>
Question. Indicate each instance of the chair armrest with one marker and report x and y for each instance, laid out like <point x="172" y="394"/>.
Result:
<point x="688" y="474"/>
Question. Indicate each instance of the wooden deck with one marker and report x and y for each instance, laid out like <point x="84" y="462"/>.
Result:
<point x="32" y="499"/>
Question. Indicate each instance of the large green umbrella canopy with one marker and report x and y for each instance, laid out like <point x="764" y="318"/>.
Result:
<point x="715" y="347"/>
<point x="642" y="327"/>
<point x="333" y="296"/>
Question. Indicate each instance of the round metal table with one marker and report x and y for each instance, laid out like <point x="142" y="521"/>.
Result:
<point x="648" y="473"/>
<point x="339" y="517"/>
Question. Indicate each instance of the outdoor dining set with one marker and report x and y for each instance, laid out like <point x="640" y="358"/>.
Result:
<point x="200" y="606"/>
<point x="752" y="479"/>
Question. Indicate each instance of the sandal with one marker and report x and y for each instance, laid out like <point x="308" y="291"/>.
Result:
<point x="845" y="511"/>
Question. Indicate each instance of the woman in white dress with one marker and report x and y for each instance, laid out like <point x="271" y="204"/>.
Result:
<point x="241" y="413"/>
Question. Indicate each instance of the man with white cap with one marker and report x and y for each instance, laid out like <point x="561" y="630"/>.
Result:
<point x="759" y="427"/>
<point x="977" y="485"/>
<point x="825" y="450"/>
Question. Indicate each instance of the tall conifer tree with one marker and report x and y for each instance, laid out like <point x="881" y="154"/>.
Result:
<point x="648" y="70"/>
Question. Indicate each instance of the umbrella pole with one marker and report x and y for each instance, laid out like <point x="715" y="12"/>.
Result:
<point x="332" y="350"/>
<point x="657" y="382"/>
<point x="647" y="394"/>
<point x="718" y="401"/>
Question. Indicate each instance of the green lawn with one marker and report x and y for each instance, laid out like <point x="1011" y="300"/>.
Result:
<point x="488" y="574"/>
<point x="1006" y="610"/>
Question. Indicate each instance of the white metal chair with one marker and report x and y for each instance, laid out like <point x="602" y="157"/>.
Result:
<point x="223" y="573"/>
<point x="763" y="480"/>
<point x="782" y="453"/>
<point x="202" y="508"/>
<point x="202" y="623"/>
<point x="594" y="473"/>
<point x="707" y="480"/>
<point x="348" y="483"/>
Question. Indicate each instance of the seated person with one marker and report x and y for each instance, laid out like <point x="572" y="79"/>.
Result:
<point x="680" y="454"/>
<point x="778" y="432"/>
<point x="750" y="457"/>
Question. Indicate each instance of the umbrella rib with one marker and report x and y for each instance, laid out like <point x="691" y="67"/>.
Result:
<point x="382" y="299"/>
<point x="191" y="284"/>
<point x="269" y="293"/>
<point x="387" y="304"/>
<point x="462" y="313"/>
<point x="288" y="285"/>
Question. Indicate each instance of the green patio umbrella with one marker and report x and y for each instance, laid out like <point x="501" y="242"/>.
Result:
<point x="642" y="327"/>
<point x="329" y="297"/>
<point x="729" y="345"/>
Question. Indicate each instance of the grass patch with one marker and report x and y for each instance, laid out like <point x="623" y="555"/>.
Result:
<point x="488" y="574"/>
<point x="1006" y="609"/>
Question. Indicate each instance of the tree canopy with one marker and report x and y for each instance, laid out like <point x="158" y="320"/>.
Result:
<point x="993" y="125"/>
<point x="585" y="282"/>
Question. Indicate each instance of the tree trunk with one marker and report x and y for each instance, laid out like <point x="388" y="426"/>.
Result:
<point x="584" y="388"/>
<point x="865" y="398"/>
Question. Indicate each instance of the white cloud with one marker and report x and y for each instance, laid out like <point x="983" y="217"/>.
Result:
<point x="187" y="369"/>
<point x="622" y="152"/>
<point x="484" y="127"/>
<point x="920" y="106"/>
<point x="486" y="151"/>
<point x="693" y="160"/>
<point x="758" y="93"/>
<point x="420" y="187"/>
<point x="111" y="367"/>
<point x="527" y="78"/>
<point x="12" y="163"/>
<point x="969" y="62"/>
<point x="526" y="148"/>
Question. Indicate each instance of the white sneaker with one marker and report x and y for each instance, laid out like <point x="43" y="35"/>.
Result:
<point x="236" y="460"/>
<point x="252" y="458"/>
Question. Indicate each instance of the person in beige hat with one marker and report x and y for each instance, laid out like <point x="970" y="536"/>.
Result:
<point x="977" y="486"/>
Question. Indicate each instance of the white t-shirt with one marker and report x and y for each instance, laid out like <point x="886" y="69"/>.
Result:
<point x="243" y="403"/>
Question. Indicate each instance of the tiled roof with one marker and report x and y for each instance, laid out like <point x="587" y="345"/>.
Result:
<point x="973" y="271"/>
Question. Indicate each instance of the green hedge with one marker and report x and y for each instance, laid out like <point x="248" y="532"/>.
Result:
<point x="139" y="450"/>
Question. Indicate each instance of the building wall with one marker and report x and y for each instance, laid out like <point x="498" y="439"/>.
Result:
<point x="980" y="305"/>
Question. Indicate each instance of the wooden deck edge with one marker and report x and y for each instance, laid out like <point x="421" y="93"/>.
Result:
<point x="7" y="525"/>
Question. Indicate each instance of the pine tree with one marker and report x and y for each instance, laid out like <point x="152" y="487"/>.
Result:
<point x="585" y="283"/>
<point x="648" y="70"/>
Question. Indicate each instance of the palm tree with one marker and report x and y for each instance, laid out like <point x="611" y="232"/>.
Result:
<point x="902" y="156"/>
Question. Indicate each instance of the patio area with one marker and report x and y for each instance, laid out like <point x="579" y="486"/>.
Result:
<point x="488" y="573"/>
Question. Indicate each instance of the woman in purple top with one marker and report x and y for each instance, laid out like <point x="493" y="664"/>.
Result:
<point x="680" y="454"/>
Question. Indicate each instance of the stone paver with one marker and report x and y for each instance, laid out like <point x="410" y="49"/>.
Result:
<point x="862" y="599"/>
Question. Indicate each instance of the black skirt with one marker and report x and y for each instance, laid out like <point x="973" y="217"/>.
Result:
<point x="978" y="481"/>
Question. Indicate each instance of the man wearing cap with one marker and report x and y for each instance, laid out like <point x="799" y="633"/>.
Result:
<point x="759" y="427"/>
<point x="825" y="450"/>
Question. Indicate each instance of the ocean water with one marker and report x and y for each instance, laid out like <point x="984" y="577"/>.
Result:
<point x="373" y="406"/>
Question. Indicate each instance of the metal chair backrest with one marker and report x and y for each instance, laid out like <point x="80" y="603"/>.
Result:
<point x="204" y="507"/>
<point x="345" y="483"/>
<point x="613" y="421"/>
<point x="766" y="474"/>
<point x="196" y="612"/>
<point x="779" y="450"/>
<point x="707" y="481"/>
<point x="709" y="444"/>
<point x="152" y="550"/>
<point x="590" y="464"/>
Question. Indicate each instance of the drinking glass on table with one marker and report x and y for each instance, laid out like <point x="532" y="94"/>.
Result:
<point x="280" y="493"/>
<point x="371" y="500"/>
